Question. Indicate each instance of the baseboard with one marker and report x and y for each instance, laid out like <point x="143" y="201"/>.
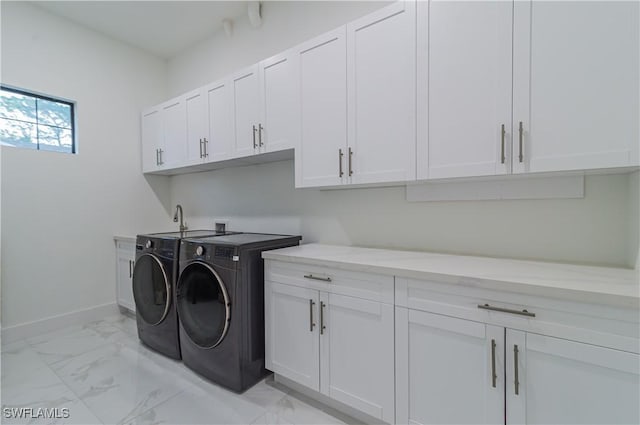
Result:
<point x="39" y="327"/>
<point x="343" y="412"/>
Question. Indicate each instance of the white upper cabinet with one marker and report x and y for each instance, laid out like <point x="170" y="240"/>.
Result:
<point x="382" y="94"/>
<point x="322" y="73"/>
<point x="196" y="126"/>
<point x="174" y="120"/>
<point x="277" y="130"/>
<point x="219" y="121"/>
<point x="464" y="78"/>
<point x="152" y="139"/>
<point x="246" y="107"/>
<point x="576" y="85"/>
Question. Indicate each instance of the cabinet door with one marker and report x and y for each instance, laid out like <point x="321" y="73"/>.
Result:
<point x="196" y="126"/>
<point x="445" y="369"/>
<point x="576" y="85"/>
<point x="467" y="62"/>
<point x="291" y="338"/>
<point x="322" y="72"/>
<point x="125" y="255"/>
<point x="247" y="113"/>
<point x="152" y="139"/>
<point x="279" y="102"/>
<point x="381" y="94"/>
<point x="356" y="344"/>
<point x="567" y="382"/>
<point x="220" y="121"/>
<point x="174" y="120"/>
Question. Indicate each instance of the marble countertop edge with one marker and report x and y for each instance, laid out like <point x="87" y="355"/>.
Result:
<point x="591" y="284"/>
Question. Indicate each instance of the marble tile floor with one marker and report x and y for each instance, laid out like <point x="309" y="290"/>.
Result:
<point x="103" y="375"/>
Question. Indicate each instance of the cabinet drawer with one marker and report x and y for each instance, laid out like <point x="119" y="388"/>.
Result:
<point x="129" y="247"/>
<point x="590" y="323"/>
<point x="355" y="284"/>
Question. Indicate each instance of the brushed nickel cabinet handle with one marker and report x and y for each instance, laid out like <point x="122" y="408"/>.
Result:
<point x="506" y="310"/>
<point x="160" y="152"/>
<point x="322" y="326"/>
<point x="254" y="137"/>
<point x="157" y="157"/>
<point x="516" y="381"/>
<point x="311" y="324"/>
<point x="340" y="155"/>
<point x="260" y="130"/>
<point x="493" y="363"/>
<point x="350" y="165"/>
<point x="520" y="137"/>
<point x="310" y="276"/>
<point x="205" y="143"/>
<point x="502" y="133"/>
<point x="200" y="148"/>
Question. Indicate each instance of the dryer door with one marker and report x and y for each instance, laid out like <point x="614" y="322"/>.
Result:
<point x="151" y="289"/>
<point x="203" y="304"/>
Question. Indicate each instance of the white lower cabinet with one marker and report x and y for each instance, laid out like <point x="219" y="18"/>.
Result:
<point x="452" y="370"/>
<point x="566" y="382"/>
<point x="341" y="346"/>
<point x="292" y="343"/>
<point x="356" y="361"/>
<point x="125" y="261"/>
<point x="446" y="368"/>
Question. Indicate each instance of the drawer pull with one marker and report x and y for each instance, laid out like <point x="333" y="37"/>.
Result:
<point x="311" y="324"/>
<point x="506" y="310"/>
<point x="324" y="279"/>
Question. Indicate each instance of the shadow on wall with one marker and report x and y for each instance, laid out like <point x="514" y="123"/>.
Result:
<point x="161" y="188"/>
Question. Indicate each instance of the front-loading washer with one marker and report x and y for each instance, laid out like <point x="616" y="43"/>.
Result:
<point x="154" y="277"/>
<point x="220" y="302"/>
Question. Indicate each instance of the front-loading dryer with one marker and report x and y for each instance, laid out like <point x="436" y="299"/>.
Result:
<point x="220" y="302"/>
<point x="154" y="277"/>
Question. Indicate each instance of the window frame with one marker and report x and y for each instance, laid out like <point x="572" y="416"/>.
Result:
<point x="72" y="108"/>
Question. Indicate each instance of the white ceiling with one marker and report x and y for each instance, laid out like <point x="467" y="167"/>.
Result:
<point x="163" y="28"/>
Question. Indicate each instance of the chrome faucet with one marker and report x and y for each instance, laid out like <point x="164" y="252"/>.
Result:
<point x="183" y="226"/>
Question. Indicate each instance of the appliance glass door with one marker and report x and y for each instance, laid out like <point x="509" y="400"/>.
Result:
<point x="151" y="289"/>
<point x="203" y="304"/>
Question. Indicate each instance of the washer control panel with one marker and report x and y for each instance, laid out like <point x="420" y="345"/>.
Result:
<point x="224" y="252"/>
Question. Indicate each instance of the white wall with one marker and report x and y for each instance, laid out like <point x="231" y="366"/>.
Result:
<point x="599" y="229"/>
<point x="284" y="24"/>
<point x="593" y="230"/>
<point x="60" y="211"/>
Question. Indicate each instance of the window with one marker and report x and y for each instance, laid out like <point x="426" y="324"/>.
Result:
<point x="33" y="121"/>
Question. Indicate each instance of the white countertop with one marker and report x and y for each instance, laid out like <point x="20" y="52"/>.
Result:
<point x="600" y="285"/>
<point x="125" y="238"/>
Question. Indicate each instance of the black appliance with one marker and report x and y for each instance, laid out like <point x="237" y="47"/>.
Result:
<point x="154" y="277"/>
<point x="220" y="301"/>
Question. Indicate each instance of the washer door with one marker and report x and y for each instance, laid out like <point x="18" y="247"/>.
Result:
<point x="203" y="305"/>
<point x="151" y="289"/>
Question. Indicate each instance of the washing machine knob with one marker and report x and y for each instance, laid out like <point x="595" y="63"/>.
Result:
<point x="199" y="250"/>
<point x="149" y="244"/>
